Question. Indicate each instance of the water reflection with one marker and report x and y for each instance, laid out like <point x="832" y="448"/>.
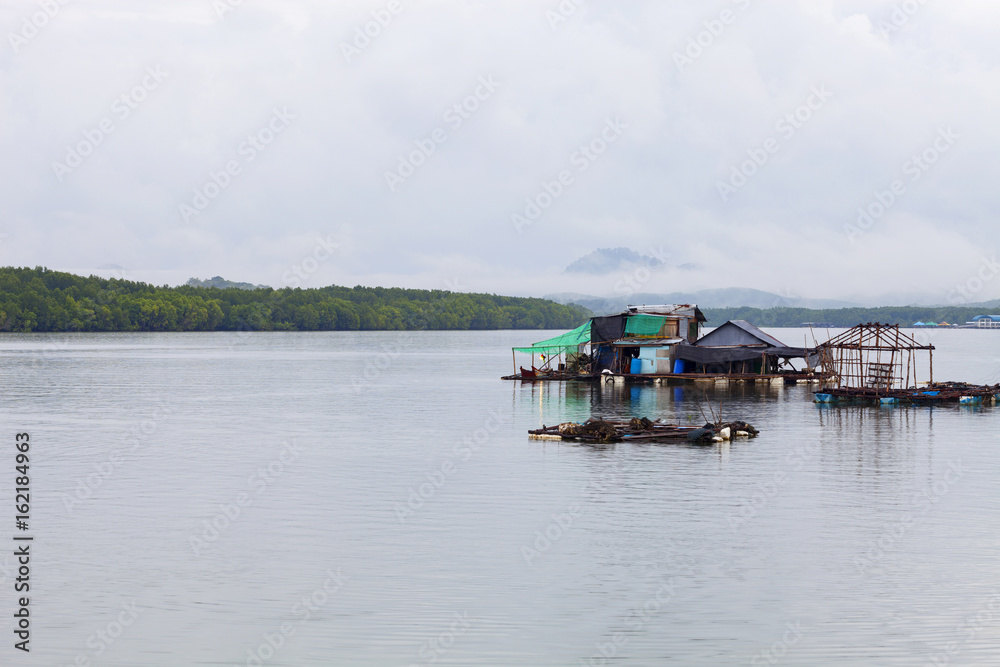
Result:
<point x="876" y="529"/>
<point x="556" y="402"/>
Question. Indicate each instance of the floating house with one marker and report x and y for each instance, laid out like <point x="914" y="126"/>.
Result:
<point x="647" y="342"/>
<point x="643" y="340"/>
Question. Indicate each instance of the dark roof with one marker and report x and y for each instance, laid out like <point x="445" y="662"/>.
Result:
<point x="758" y="337"/>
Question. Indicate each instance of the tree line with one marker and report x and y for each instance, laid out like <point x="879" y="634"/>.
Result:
<point x="41" y="300"/>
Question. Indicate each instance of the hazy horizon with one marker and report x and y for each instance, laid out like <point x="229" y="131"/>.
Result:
<point x="822" y="149"/>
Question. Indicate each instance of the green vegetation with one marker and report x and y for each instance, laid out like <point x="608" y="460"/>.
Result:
<point x="848" y="317"/>
<point x="40" y="300"/>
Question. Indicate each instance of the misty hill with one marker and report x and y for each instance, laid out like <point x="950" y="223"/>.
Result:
<point x="732" y="297"/>
<point x="608" y="260"/>
<point x="219" y="282"/>
<point x="904" y="316"/>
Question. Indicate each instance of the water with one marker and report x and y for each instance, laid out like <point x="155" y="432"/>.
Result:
<point x="387" y="480"/>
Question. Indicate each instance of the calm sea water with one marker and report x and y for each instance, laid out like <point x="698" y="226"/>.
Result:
<point x="373" y="499"/>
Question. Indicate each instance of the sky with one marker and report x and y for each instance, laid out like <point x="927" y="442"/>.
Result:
<point x="811" y="148"/>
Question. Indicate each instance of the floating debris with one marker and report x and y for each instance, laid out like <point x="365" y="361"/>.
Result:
<point x="642" y="430"/>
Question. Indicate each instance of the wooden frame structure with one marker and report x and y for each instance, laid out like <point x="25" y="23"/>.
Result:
<point x="874" y="357"/>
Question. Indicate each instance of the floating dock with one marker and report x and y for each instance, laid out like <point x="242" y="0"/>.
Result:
<point x="676" y="378"/>
<point x="642" y="430"/>
<point x="933" y="394"/>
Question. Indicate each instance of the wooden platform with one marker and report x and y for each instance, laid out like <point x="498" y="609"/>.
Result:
<point x="785" y="378"/>
<point x="932" y="394"/>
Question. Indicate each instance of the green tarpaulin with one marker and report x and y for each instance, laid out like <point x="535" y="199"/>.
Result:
<point x="568" y="342"/>
<point x="644" y="325"/>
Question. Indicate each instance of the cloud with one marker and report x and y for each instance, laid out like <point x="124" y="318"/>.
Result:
<point x="356" y="117"/>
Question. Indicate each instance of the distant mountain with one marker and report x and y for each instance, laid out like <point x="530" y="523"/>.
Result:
<point x="221" y="283"/>
<point x="608" y="260"/>
<point x="733" y="297"/>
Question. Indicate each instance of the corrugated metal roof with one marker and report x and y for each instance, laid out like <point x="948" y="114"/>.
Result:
<point x="721" y="337"/>
<point x="677" y="310"/>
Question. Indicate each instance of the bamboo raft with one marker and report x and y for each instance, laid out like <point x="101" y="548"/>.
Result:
<point x="642" y="430"/>
<point x="932" y="394"/>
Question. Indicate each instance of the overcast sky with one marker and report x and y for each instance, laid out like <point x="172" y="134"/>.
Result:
<point x="739" y="138"/>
